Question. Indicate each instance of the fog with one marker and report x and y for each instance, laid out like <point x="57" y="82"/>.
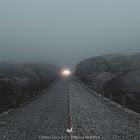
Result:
<point x="64" y="32"/>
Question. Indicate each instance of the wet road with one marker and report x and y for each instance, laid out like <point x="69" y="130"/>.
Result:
<point x="68" y="105"/>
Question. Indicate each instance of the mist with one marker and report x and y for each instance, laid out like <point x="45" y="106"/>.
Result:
<point x="65" y="32"/>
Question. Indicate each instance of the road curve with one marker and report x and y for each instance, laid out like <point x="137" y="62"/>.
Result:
<point x="67" y="105"/>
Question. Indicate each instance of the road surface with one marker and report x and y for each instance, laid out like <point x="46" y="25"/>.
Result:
<point x="68" y="111"/>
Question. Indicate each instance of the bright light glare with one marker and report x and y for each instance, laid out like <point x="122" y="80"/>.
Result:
<point x="66" y="72"/>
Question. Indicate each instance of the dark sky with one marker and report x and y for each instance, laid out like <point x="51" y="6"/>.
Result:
<point x="64" y="32"/>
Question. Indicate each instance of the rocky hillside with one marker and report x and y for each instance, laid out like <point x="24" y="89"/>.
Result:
<point x="18" y="83"/>
<point x="114" y="76"/>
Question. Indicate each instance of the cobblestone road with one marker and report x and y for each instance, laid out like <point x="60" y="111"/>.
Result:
<point x="46" y="117"/>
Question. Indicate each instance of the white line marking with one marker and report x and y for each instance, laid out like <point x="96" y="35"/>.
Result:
<point x="69" y="125"/>
<point x="70" y="130"/>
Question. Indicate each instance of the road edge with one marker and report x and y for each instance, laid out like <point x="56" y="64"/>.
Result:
<point x="127" y="110"/>
<point x="30" y="100"/>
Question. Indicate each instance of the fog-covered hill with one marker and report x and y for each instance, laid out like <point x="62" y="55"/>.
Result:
<point x="114" y="76"/>
<point x="20" y="82"/>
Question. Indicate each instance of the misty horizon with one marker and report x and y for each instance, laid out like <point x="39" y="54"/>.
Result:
<point x="66" y="32"/>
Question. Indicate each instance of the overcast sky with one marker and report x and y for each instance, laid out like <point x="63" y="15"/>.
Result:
<point x="64" y="32"/>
